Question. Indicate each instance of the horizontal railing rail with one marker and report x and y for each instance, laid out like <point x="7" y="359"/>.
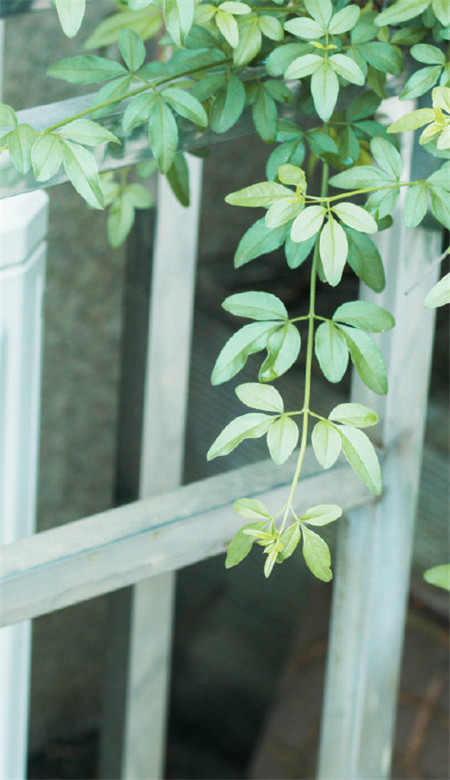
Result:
<point x="89" y="557"/>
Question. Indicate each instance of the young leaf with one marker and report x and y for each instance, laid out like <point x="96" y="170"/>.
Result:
<point x="289" y="539"/>
<point x="70" y="13"/>
<point x="228" y="26"/>
<point x="186" y="105"/>
<point x="259" y="396"/>
<point x="20" y="141"/>
<point x="241" y="544"/>
<point x="368" y="316"/>
<point x="326" y="443"/>
<point x="8" y="117"/>
<point x="303" y="66"/>
<point x="323" y="514"/>
<point x="246" y="341"/>
<point x="256" y="305"/>
<point x="360" y="453"/>
<point x="325" y="89"/>
<point x="333" y="251"/>
<point x="308" y="223"/>
<point x="251" y="508"/>
<point x="282" y="439"/>
<point x="86" y="69"/>
<point x="81" y="168"/>
<point x="163" y="135"/>
<point x="283" y="347"/>
<point x="439" y="295"/>
<point x="358" y="415"/>
<point x="257" y="241"/>
<point x="439" y="576"/>
<point x="262" y="194"/>
<point x="283" y="211"/>
<point x="46" y="156"/>
<point x="132" y="49"/>
<point x="248" y="426"/>
<point x="367" y="359"/>
<point x="84" y="131"/>
<point x="356" y="217"/>
<point x="331" y="351"/>
<point x="317" y="555"/>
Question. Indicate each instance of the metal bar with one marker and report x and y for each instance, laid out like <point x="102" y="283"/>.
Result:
<point x="105" y="552"/>
<point x="375" y="543"/>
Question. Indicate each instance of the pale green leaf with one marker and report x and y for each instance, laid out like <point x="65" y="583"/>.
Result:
<point x="85" y="69"/>
<point x="248" y="426"/>
<point x="186" y="105"/>
<point x="259" y="396"/>
<point x="271" y="27"/>
<point x="440" y="205"/>
<point x="320" y="10"/>
<point x="282" y="56"/>
<point x="429" y="55"/>
<point x="8" y="117"/>
<point x="387" y="157"/>
<point x="303" y="27"/>
<point x="382" y="56"/>
<point x="356" y="217"/>
<point x="46" y="156"/>
<point x="84" y="131"/>
<point x="289" y="539"/>
<point x="283" y="211"/>
<point x="412" y="121"/>
<point x="178" y="16"/>
<point x="333" y="251"/>
<point x="401" y="11"/>
<point x="246" y="341"/>
<point x="282" y="351"/>
<point x="308" y="223"/>
<point x="344" y="20"/>
<point x="140" y="196"/>
<point x="441" y="9"/>
<point x="251" y="508"/>
<point x="262" y="194"/>
<point x="241" y="545"/>
<point x="235" y="7"/>
<point x="367" y="359"/>
<point x="323" y="514"/>
<point x="359" y="177"/>
<point x="347" y="68"/>
<point x="82" y="170"/>
<point x="317" y="555"/>
<point x="358" y="415"/>
<point x="163" y="135"/>
<point x="292" y="174"/>
<point x="120" y="220"/>
<point x="70" y="13"/>
<point x="256" y="305"/>
<point x="326" y="443"/>
<point x="303" y="66"/>
<point x="365" y="315"/>
<point x="324" y="89"/>
<point x="361" y="455"/>
<point x="20" y="141"/>
<point x="250" y="40"/>
<point x="416" y="205"/>
<point x="132" y="49"/>
<point x="282" y="439"/>
<point x="138" y="111"/>
<point x="439" y="576"/>
<point x="257" y="241"/>
<point x="228" y="105"/>
<point x="228" y="26"/>
<point x="146" y="23"/>
<point x="439" y="295"/>
<point x="331" y="351"/>
<point x="420" y="82"/>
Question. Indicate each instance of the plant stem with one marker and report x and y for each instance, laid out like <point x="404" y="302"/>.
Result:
<point x="308" y="366"/>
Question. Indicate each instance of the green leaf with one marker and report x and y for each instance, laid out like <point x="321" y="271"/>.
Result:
<point x="323" y="514"/>
<point x="360" y="453"/>
<point x="257" y="241"/>
<point x="356" y="217"/>
<point x="333" y="251"/>
<point x="186" y="105"/>
<point x="138" y="111"/>
<point x="140" y="196"/>
<point x="120" y="220"/>
<point x="259" y="396"/>
<point x="228" y="105"/>
<point x="282" y="351"/>
<point x="348" y="146"/>
<point x="115" y="89"/>
<point x="303" y="66"/>
<point x="441" y="177"/>
<point x="241" y="544"/>
<point x="292" y="152"/>
<point x="416" y="205"/>
<point x="387" y="157"/>
<point x="401" y="11"/>
<point x="228" y="26"/>
<point x="368" y="316"/>
<point x="439" y="576"/>
<point x="296" y="253"/>
<point x="163" y="135"/>
<point x="360" y="177"/>
<point x="289" y="539"/>
<point x="20" y="141"/>
<point x="178" y="16"/>
<point x="270" y="27"/>
<point x="8" y="117"/>
<point x="324" y="89"/>
<point x="306" y="28"/>
<point x="256" y="305"/>
<point x="282" y="211"/>
<point x="331" y="351"/>
<point x="84" y="131"/>
<point x="250" y="40"/>
<point x="358" y="415"/>
<point x="85" y="69"/>
<point x="440" y="205"/>
<point x="46" y="156"/>
<point x="420" y="82"/>
<point x="280" y="58"/>
<point x="439" y="295"/>
<point x="412" y="121"/>
<point x="364" y="105"/>
<point x="262" y="194"/>
<point x="251" y="508"/>
<point x="326" y="443"/>
<point x="265" y="115"/>
<point x="70" y="13"/>
<point x="81" y="168"/>
<point x="317" y="555"/>
<point x="178" y="178"/>
<point x="132" y="49"/>
<point x="382" y="56"/>
<point x="282" y="439"/>
<point x="364" y="258"/>
<point x="429" y="55"/>
<point x="146" y="23"/>
<point x="320" y="10"/>
<point x="367" y="359"/>
<point x="442" y="11"/>
<point x="308" y="223"/>
<point x="347" y="68"/>
<point x="344" y="20"/>
<point x="248" y="426"/>
<point x="246" y="341"/>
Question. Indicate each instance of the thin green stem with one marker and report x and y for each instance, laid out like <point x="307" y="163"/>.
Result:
<point x="350" y="193"/>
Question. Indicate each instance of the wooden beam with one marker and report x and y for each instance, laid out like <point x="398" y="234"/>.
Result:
<point x="99" y="554"/>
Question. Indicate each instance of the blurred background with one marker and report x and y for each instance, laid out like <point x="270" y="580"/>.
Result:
<point x="248" y="654"/>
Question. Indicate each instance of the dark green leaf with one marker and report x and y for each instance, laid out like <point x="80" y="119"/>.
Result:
<point x="178" y="178"/>
<point x="228" y="105"/>
<point x="258" y="240"/>
<point x="365" y="259"/>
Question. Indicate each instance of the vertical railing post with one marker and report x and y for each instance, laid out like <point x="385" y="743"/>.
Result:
<point x="23" y="226"/>
<point x="150" y="603"/>
<point x="375" y="543"/>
